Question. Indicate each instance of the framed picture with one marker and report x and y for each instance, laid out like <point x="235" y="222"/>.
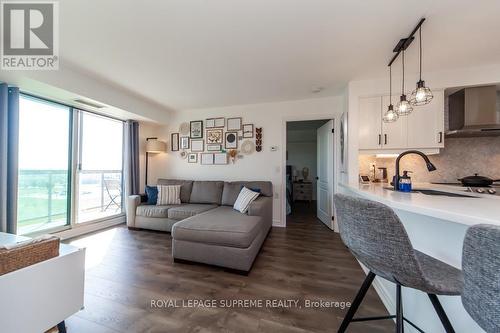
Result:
<point x="220" y="122"/>
<point x="196" y="129"/>
<point x="234" y="124"/>
<point x="207" y="159"/>
<point x="214" y="147"/>
<point x="197" y="145"/>
<point x="210" y="123"/>
<point x="174" y="142"/>
<point x="184" y="142"/>
<point x="215" y="136"/>
<point x="248" y="131"/>
<point x="192" y="158"/>
<point x="231" y="140"/>
<point x="220" y="158"/>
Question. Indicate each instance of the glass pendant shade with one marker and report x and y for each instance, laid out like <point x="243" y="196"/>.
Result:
<point x="390" y="115"/>
<point x="421" y="95"/>
<point x="404" y="107"/>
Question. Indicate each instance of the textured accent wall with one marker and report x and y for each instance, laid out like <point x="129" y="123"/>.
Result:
<point x="461" y="157"/>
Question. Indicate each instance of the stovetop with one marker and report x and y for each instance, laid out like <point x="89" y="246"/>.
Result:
<point x="493" y="189"/>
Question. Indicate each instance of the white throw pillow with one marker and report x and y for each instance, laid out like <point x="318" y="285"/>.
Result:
<point x="169" y="195"/>
<point x="245" y="198"/>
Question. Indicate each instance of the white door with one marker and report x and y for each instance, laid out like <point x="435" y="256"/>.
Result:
<point x="394" y="135"/>
<point x="325" y="173"/>
<point x="370" y="123"/>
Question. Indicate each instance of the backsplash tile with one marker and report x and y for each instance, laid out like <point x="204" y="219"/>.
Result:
<point x="461" y="157"/>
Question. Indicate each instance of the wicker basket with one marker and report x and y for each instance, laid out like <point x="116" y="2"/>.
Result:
<point x="23" y="256"/>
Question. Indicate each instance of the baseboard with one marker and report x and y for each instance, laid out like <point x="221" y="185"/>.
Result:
<point x="91" y="227"/>
<point x="277" y="223"/>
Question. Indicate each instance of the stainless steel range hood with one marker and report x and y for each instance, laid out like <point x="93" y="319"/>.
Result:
<point x="474" y="112"/>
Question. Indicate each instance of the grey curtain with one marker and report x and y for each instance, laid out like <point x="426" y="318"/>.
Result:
<point x="9" y="139"/>
<point x="131" y="158"/>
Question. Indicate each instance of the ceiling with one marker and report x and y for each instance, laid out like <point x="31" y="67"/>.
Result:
<point x="204" y="53"/>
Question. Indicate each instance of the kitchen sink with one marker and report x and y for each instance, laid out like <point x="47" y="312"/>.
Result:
<point x="435" y="192"/>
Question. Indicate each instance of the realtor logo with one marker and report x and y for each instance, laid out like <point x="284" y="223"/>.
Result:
<point x="30" y="35"/>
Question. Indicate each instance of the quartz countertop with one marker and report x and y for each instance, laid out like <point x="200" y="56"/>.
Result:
<point x="481" y="208"/>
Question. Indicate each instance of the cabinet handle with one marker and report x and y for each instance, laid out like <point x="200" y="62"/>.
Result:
<point x="380" y="139"/>
<point x="440" y="137"/>
<point x="385" y="139"/>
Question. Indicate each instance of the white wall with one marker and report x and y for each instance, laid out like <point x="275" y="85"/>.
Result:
<point x="265" y="165"/>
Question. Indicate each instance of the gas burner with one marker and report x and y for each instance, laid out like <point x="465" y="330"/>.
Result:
<point x="493" y="189"/>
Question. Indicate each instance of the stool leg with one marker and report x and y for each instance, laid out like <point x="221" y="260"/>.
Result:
<point x="61" y="327"/>
<point x="399" y="310"/>
<point x="357" y="301"/>
<point x="441" y="314"/>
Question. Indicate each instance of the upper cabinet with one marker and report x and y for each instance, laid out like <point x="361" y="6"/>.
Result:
<point x="422" y="129"/>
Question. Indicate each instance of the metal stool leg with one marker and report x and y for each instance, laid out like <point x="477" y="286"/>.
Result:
<point x="441" y="314"/>
<point x="61" y="327"/>
<point x="399" y="310"/>
<point x="357" y="301"/>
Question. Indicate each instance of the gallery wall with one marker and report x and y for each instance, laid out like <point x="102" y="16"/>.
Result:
<point x="266" y="165"/>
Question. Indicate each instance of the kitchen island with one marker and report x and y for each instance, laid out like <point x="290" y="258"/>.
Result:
<point x="436" y="226"/>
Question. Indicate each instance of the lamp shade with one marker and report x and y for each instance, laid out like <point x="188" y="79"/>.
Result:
<point x="155" y="146"/>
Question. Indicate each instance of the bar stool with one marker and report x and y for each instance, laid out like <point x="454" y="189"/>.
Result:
<point x="377" y="238"/>
<point x="481" y="269"/>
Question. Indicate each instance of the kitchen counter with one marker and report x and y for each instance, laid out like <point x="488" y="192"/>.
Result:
<point x="482" y="208"/>
<point x="436" y="226"/>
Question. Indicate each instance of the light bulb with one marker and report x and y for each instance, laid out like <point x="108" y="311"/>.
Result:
<point x="390" y="116"/>
<point x="421" y="95"/>
<point x="404" y="108"/>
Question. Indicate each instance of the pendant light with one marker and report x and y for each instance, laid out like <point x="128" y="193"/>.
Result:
<point x="390" y="115"/>
<point x="421" y="95"/>
<point x="404" y="107"/>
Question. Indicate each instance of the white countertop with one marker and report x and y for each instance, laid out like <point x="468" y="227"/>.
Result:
<point x="469" y="211"/>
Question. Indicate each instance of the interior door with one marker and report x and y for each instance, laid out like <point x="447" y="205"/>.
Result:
<point x="325" y="155"/>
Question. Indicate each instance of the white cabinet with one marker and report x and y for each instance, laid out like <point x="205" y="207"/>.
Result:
<point x="426" y="124"/>
<point x="422" y="129"/>
<point x="370" y="123"/>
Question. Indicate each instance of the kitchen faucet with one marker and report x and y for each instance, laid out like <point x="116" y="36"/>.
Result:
<point x="397" y="177"/>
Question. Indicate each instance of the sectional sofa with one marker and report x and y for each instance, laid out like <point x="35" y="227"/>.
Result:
<point x="205" y="228"/>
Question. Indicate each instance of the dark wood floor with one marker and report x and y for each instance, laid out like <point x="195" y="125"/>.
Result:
<point x="306" y="261"/>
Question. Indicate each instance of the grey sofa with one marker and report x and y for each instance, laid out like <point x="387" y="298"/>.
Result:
<point x="205" y="228"/>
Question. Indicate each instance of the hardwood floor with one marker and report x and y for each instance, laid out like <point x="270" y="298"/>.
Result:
<point x="126" y="270"/>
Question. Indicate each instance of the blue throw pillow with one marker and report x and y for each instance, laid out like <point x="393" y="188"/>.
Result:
<point x="251" y="189"/>
<point x="152" y="193"/>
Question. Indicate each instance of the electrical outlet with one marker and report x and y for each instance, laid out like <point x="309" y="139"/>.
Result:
<point x="274" y="148"/>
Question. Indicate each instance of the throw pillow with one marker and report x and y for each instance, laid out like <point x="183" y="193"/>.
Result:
<point x="245" y="198"/>
<point x="152" y="194"/>
<point x="255" y="189"/>
<point x="169" y="195"/>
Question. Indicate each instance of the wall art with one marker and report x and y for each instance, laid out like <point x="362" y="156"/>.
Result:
<point x="215" y="136"/>
<point x="197" y="145"/>
<point x="247" y="147"/>
<point x="196" y="129"/>
<point x="215" y="122"/>
<point x="248" y="131"/>
<point x="192" y="158"/>
<point x="214" y="147"/>
<point x="231" y="140"/>
<point x="184" y="129"/>
<point x="184" y="142"/>
<point x="258" y="139"/>
<point x="220" y="158"/>
<point x="207" y="159"/>
<point x="174" y="142"/>
<point x="234" y="124"/>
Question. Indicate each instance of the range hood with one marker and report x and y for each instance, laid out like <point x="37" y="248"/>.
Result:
<point x="474" y="112"/>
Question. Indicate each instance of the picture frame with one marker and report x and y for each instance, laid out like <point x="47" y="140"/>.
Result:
<point x="174" y="142"/>
<point x="248" y="130"/>
<point x="197" y="146"/>
<point x="214" y="147"/>
<point x="220" y="158"/>
<point x="231" y="139"/>
<point x="210" y="123"/>
<point x="215" y="122"/>
<point x="184" y="142"/>
<point x="192" y="158"/>
<point x="207" y="159"/>
<point x="234" y="124"/>
<point x="196" y="129"/>
<point x="215" y="136"/>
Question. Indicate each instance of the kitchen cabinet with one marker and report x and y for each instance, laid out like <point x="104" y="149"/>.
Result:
<point x="427" y="124"/>
<point x="422" y="129"/>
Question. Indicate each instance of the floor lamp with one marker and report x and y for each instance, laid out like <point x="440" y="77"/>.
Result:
<point x="153" y="146"/>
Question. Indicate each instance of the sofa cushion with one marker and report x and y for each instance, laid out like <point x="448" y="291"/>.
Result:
<point x="186" y="187"/>
<point x="233" y="189"/>
<point x="220" y="226"/>
<point x="206" y="192"/>
<point x="188" y="210"/>
<point x="153" y="210"/>
<point x="152" y="194"/>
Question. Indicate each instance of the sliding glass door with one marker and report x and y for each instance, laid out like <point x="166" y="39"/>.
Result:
<point x="99" y="167"/>
<point x="44" y="160"/>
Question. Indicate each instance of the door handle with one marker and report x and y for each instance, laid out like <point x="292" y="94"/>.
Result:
<point x="380" y="139"/>
<point x="440" y="137"/>
<point x="385" y="139"/>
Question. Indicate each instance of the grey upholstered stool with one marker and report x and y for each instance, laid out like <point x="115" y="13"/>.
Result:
<point x="481" y="269"/>
<point x="376" y="237"/>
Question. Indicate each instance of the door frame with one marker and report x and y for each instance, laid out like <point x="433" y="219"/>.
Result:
<point x="335" y="171"/>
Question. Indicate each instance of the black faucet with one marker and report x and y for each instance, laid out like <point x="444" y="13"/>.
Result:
<point x="429" y="164"/>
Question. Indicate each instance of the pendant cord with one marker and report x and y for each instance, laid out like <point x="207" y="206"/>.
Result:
<point x="390" y="84"/>
<point x="403" y="82"/>
<point x="420" y="39"/>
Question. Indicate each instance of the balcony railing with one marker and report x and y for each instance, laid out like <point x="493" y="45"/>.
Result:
<point x="43" y="197"/>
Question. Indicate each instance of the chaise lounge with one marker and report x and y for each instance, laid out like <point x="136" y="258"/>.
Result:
<point x="205" y="228"/>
